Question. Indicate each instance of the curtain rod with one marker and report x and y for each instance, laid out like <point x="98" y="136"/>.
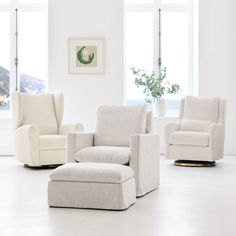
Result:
<point x="16" y="58"/>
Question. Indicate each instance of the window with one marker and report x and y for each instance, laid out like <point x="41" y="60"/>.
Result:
<point x="31" y="50"/>
<point x="177" y="45"/>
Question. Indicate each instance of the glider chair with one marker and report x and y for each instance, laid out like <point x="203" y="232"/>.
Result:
<point x="122" y="136"/>
<point x="40" y="137"/>
<point x="198" y="138"/>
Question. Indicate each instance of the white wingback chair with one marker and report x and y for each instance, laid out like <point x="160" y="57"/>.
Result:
<point x="40" y="137"/>
<point x="122" y="136"/>
<point x="199" y="135"/>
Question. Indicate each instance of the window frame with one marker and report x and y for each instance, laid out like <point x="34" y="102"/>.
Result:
<point x="192" y="9"/>
<point x="22" y="7"/>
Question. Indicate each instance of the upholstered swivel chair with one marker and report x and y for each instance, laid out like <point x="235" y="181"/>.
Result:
<point x="122" y="136"/>
<point x="199" y="135"/>
<point x="40" y="137"/>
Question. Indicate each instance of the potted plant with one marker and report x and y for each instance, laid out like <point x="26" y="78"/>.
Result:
<point x="155" y="86"/>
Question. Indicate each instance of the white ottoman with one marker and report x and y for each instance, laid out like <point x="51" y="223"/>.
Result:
<point x="92" y="185"/>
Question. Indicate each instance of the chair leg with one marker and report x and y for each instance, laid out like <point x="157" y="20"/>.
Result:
<point x="188" y="163"/>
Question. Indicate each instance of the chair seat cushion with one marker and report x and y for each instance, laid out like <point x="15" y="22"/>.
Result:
<point x="52" y="142"/>
<point x="189" y="138"/>
<point x="104" y="154"/>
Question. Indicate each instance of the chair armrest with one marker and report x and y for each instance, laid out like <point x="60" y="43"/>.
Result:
<point x="70" y="128"/>
<point x="144" y="160"/>
<point x="216" y="140"/>
<point x="76" y="142"/>
<point x="169" y="128"/>
<point x="27" y="144"/>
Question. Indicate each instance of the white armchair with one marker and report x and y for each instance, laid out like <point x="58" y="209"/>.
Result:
<point x="122" y="136"/>
<point x="40" y="139"/>
<point x="199" y="134"/>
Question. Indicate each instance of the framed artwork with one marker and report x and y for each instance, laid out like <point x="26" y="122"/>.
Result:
<point x="86" y="56"/>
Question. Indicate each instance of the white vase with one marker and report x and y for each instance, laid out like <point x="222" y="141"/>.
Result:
<point x="161" y="107"/>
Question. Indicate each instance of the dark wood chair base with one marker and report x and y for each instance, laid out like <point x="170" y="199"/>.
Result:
<point x="188" y="163"/>
<point x="42" y="167"/>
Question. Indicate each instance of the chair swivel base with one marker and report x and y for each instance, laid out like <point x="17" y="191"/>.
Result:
<point x="42" y="167"/>
<point x="188" y="163"/>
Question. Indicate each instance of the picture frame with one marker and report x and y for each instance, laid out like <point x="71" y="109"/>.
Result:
<point x="86" y="56"/>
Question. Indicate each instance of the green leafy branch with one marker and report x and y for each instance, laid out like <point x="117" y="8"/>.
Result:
<point x="155" y="86"/>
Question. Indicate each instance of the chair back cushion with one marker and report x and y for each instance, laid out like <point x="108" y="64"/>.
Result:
<point x="195" y="108"/>
<point x="115" y="124"/>
<point x="40" y="110"/>
<point x="195" y="125"/>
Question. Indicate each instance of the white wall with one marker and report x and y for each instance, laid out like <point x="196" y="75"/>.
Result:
<point x="103" y="18"/>
<point x="217" y="58"/>
<point x="86" y="18"/>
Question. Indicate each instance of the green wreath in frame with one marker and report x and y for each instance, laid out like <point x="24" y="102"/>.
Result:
<point x="82" y="58"/>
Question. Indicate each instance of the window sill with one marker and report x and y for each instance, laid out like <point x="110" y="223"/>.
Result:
<point x="5" y="117"/>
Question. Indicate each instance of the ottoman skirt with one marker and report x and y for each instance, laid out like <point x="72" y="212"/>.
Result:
<point x="77" y="191"/>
